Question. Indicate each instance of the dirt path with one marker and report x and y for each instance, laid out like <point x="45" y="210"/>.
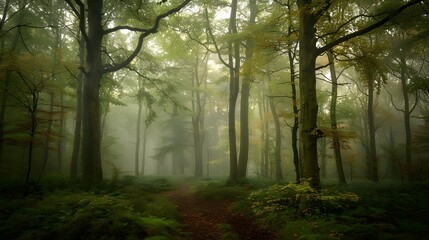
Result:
<point x="212" y="220"/>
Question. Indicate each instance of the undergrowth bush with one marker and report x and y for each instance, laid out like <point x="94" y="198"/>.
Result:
<point x="127" y="212"/>
<point x="291" y="201"/>
<point x="217" y="191"/>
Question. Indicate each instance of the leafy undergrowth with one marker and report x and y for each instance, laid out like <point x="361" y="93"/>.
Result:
<point x="360" y="211"/>
<point x="131" y="208"/>
<point x="125" y="209"/>
<point x="218" y="191"/>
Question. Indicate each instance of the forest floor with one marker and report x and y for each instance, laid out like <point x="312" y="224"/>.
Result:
<point x="213" y="219"/>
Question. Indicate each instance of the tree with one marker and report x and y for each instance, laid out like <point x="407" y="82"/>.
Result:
<point x="234" y="69"/>
<point x="13" y="49"/>
<point x="245" y="94"/>
<point x="33" y="77"/>
<point x="92" y="30"/>
<point x="309" y="14"/>
<point x="74" y="162"/>
<point x="278" y="140"/>
<point x="198" y="108"/>
<point x="333" y="117"/>
<point x="233" y="64"/>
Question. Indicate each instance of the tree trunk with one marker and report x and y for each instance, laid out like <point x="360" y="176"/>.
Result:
<point x="233" y="53"/>
<point x="92" y="173"/>
<point x="61" y="143"/>
<point x="144" y="151"/>
<point x="244" y="129"/>
<point x="323" y="157"/>
<point x="244" y="101"/>
<point x="333" y="116"/>
<point x="407" y="116"/>
<point x="309" y="14"/>
<point x="371" y="133"/>
<point x="74" y="163"/>
<point x="307" y="90"/>
<point x="197" y="120"/>
<point x="30" y="146"/>
<point x="278" y="141"/>
<point x="48" y="134"/>
<point x="266" y="142"/>
<point x="93" y="33"/>
<point x="294" y="129"/>
<point x="7" y="78"/>
<point x="32" y="110"/>
<point x="262" y="136"/>
<point x="137" y="150"/>
<point x="198" y="155"/>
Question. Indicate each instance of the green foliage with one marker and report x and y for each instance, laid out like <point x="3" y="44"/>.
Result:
<point x="286" y="202"/>
<point x="227" y="232"/>
<point x="385" y="211"/>
<point x="216" y="191"/>
<point x="126" y="212"/>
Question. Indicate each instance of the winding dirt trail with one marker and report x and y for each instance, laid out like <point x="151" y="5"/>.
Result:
<point x="213" y="220"/>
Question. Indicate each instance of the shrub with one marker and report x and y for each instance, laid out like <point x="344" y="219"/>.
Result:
<point x="72" y="215"/>
<point x="216" y="191"/>
<point x="296" y="200"/>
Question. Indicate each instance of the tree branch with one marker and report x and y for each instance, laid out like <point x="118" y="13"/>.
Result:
<point x="367" y="29"/>
<point x="209" y="29"/>
<point x="117" y="28"/>
<point x="81" y="16"/>
<point x="146" y="33"/>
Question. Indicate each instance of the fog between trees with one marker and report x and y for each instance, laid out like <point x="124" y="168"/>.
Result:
<point x="180" y="64"/>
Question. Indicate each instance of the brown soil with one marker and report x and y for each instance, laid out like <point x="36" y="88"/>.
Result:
<point x="213" y="220"/>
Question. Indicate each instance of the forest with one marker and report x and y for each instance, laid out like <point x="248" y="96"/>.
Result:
<point x="228" y="119"/>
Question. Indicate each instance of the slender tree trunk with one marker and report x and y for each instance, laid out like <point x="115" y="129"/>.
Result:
<point x="30" y="148"/>
<point x="48" y="134"/>
<point x="333" y="116"/>
<point x="144" y="151"/>
<point x="323" y="157"/>
<point x="59" y="8"/>
<point x="197" y="152"/>
<point x="407" y="116"/>
<point x="7" y="78"/>
<point x="278" y="141"/>
<point x="61" y="144"/>
<point x="262" y="137"/>
<point x="294" y="129"/>
<point x="137" y="150"/>
<point x="371" y="133"/>
<point x="245" y="94"/>
<point x="266" y="141"/>
<point x="74" y="163"/>
<point x="234" y="56"/>
<point x="32" y="110"/>
<point x="244" y="129"/>
<point x="197" y="119"/>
